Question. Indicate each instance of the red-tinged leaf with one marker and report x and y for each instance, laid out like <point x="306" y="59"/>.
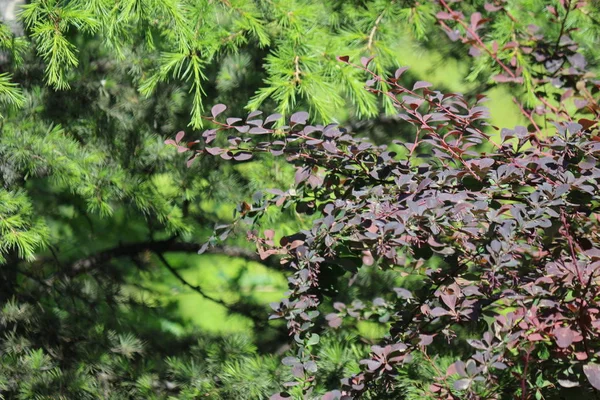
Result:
<point x="299" y="118"/>
<point x="330" y="147"/>
<point x="298" y="371"/>
<point x="502" y="78"/>
<point x="442" y="15"/>
<point x="592" y="372"/>
<point x="301" y="175"/>
<point x="343" y="59"/>
<point x="449" y="300"/>
<point x="438" y="312"/>
<point x="227" y="156"/>
<point x="499" y="365"/>
<point x="170" y="141"/>
<point x="182" y="149"/>
<point x="365" y="61"/>
<point x="214" y="150"/>
<point x="412" y="101"/>
<point x="231" y="121"/>
<point x="434" y="388"/>
<point x="242" y="156"/>
<point x="334" y="395"/>
<point x="254" y="114"/>
<point x="425" y="340"/>
<point x="373" y="365"/>
<point x="295" y="244"/>
<point x="179" y="136"/>
<point x="564" y="337"/>
<point x="334" y="320"/>
<point x="190" y="161"/>
<point x="462" y="384"/>
<point x="255" y="122"/>
<point x="399" y="72"/>
<point x="476" y="20"/>
<point x="218" y="109"/>
<point x="535" y="337"/>
<point x="259" y="131"/>
<point x="273" y="118"/>
<point x="586" y="123"/>
<point x="474" y="51"/>
<point x="491" y="8"/>
<point x="421" y="84"/>
<point x="209" y="132"/>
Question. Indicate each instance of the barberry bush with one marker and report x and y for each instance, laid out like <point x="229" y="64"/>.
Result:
<point x="476" y="248"/>
<point x="493" y="252"/>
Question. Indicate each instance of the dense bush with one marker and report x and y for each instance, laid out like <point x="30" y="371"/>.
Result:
<point x="498" y="249"/>
<point x="99" y="222"/>
<point x="491" y="240"/>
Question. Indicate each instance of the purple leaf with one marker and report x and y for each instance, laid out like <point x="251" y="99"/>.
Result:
<point x="299" y="118"/>
<point x="442" y="15"/>
<point x="333" y="395"/>
<point x="425" y="340"/>
<point x="365" y="61"/>
<point x="438" y="312"/>
<point x="330" y="147"/>
<point x="214" y="150"/>
<point x="462" y="384"/>
<point x="334" y="320"/>
<point x="298" y="371"/>
<point x="476" y="20"/>
<point x="179" y="136"/>
<point x="421" y="84"/>
<point x="254" y="114"/>
<point x="272" y="118"/>
<point x="592" y="372"/>
<point x="242" y="156"/>
<point x="564" y="337"/>
<point x="289" y="361"/>
<point x="231" y="121"/>
<point x="190" y="161"/>
<point x="259" y="131"/>
<point x="403" y="293"/>
<point x="242" y="129"/>
<point x="218" y="109"/>
<point x="400" y="71"/>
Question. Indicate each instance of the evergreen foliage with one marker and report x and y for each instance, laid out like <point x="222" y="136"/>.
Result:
<point x="98" y="216"/>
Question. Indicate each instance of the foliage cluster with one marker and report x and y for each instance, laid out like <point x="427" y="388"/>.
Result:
<point x="492" y="242"/>
<point x="95" y="212"/>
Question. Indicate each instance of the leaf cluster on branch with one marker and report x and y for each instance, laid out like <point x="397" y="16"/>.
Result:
<point x="491" y="238"/>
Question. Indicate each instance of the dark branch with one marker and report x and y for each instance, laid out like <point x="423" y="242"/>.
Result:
<point x="165" y="246"/>
<point x="181" y="279"/>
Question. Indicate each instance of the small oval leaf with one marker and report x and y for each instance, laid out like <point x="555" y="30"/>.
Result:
<point x="218" y="109"/>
